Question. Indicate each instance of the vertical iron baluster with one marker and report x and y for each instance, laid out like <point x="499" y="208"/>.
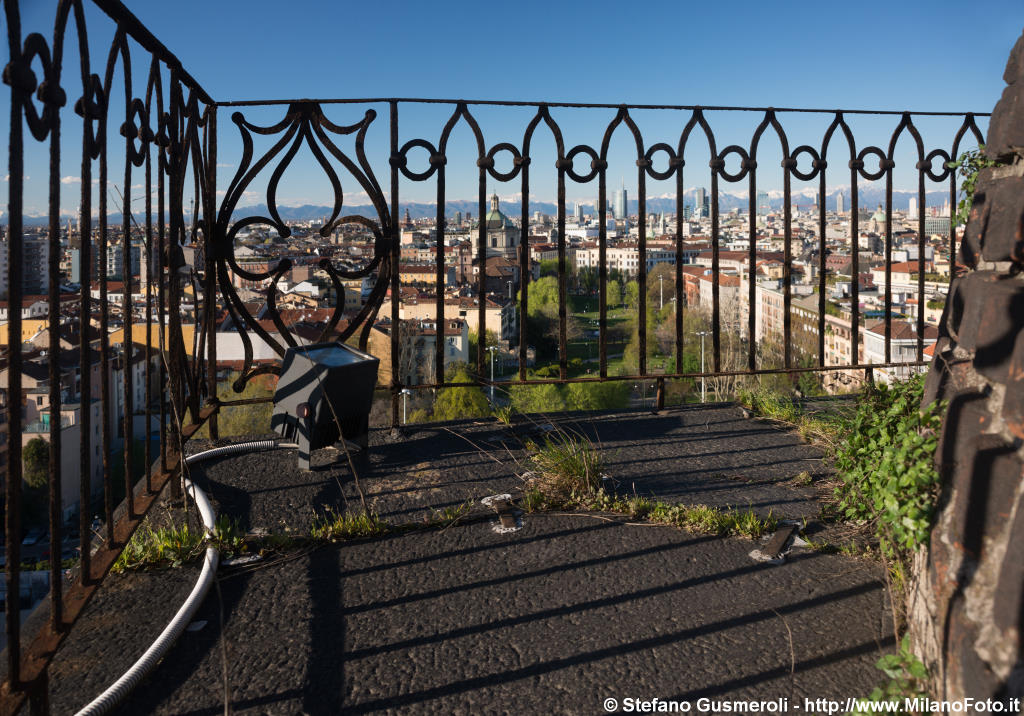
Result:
<point x="641" y="192"/>
<point x="481" y="321"/>
<point x="146" y="270"/>
<point x="787" y="266"/>
<point x="85" y="361"/>
<point x="716" y="307"/>
<point x="210" y="292"/>
<point x="888" y="263"/>
<point x="677" y="163"/>
<point x="822" y="270"/>
<point x="752" y="258"/>
<point x="855" y="257"/>
<point x="523" y="254"/>
<point x="920" y="259"/>
<point x="563" y="348"/>
<point x="16" y="172"/>
<point x="161" y="257"/>
<point x="953" y="210"/>
<point x="887" y="163"/>
<point x="602" y="271"/>
<point x="524" y="245"/>
<point x="108" y="496"/>
<point x="175" y="240"/>
<point x="396" y="288"/>
<point x="126" y="305"/>
<point x="439" y="277"/>
<point x="53" y="286"/>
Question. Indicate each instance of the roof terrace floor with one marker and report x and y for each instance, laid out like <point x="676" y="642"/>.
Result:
<point x="572" y="609"/>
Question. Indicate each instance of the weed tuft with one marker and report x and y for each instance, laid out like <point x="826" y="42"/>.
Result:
<point x="504" y="414"/>
<point x="534" y="500"/>
<point x="566" y="469"/>
<point x="160" y="547"/>
<point x="803" y="478"/>
<point x="227" y="535"/>
<point x="449" y="515"/>
<point x="332" y="526"/>
<point x="825" y="430"/>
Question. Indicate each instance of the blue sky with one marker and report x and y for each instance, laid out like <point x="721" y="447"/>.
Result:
<point x="923" y="56"/>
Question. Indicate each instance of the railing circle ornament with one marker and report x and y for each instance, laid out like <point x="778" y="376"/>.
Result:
<point x="431" y="153"/>
<point x="744" y="163"/>
<point x="882" y="159"/>
<point x="817" y="164"/>
<point x="946" y="169"/>
<point x="516" y="161"/>
<point x="673" y="165"/>
<point x="571" y="170"/>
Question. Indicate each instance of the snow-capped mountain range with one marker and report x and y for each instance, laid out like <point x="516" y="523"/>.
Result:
<point x="870" y="196"/>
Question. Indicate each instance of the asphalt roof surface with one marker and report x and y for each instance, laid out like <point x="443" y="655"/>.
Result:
<point x="556" y="617"/>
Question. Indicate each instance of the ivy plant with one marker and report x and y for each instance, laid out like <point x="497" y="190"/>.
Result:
<point x="885" y="464"/>
<point x="907" y="680"/>
<point x="969" y="164"/>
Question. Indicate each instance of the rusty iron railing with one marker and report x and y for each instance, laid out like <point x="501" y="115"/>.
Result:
<point x="169" y="126"/>
<point x="306" y="121"/>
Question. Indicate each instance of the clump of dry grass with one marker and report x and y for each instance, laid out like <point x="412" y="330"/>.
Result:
<point x="565" y="468"/>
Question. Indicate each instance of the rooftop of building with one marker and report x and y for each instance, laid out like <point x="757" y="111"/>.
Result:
<point x="570" y="609"/>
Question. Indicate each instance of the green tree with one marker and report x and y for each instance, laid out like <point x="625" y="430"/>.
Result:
<point x="598" y="396"/>
<point x="457" y="403"/>
<point x="419" y="416"/>
<point x="614" y="293"/>
<point x="543" y="296"/>
<point x="631" y="294"/>
<point x="545" y="398"/>
<point x="631" y="353"/>
<point x="243" y="419"/>
<point x="36" y="474"/>
<point x="474" y="339"/>
<point x="542" y="319"/>
<point x="36" y="456"/>
<point x="586" y="279"/>
<point x="661" y="283"/>
<point x="549" y="267"/>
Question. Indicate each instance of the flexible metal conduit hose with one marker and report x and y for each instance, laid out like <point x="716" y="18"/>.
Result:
<point x="120" y="688"/>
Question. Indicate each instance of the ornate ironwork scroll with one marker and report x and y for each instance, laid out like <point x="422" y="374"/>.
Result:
<point x="303" y="123"/>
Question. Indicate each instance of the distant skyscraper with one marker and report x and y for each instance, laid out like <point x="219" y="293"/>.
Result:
<point x="700" y="203"/>
<point x="35" y="256"/>
<point x="621" y="206"/>
<point x="839" y="203"/>
<point x="912" y="207"/>
<point x="458" y="218"/>
<point x="598" y="209"/>
<point x="578" y="212"/>
<point x="763" y="206"/>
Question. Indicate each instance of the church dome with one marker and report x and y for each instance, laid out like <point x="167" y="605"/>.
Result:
<point x="495" y="219"/>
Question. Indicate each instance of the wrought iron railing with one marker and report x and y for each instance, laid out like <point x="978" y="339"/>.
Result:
<point x="170" y="130"/>
<point x="166" y="122"/>
<point x="307" y="121"/>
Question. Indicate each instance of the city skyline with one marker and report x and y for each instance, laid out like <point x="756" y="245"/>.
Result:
<point x="231" y="66"/>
